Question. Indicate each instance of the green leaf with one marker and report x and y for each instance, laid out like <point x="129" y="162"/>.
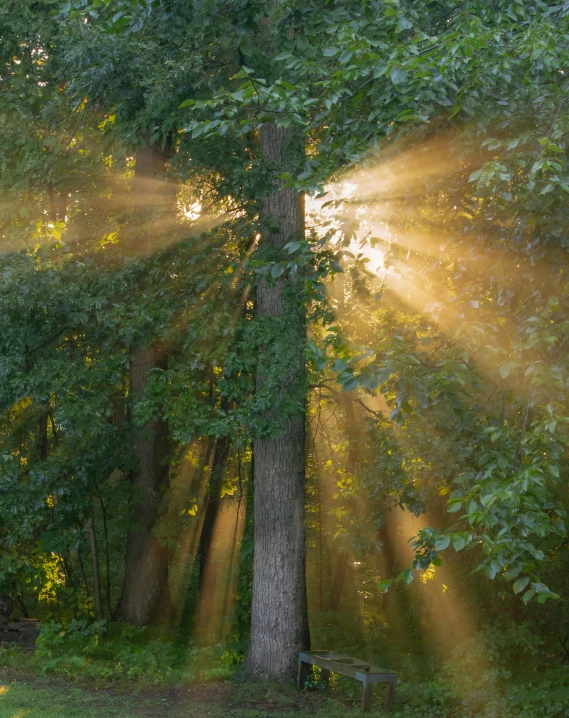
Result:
<point x="492" y="569"/>
<point x="241" y="74"/>
<point x="339" y="365"/>
<point x="398" y="75"/>
<point x="380" y="70"/>
<point x="350" y="384"/>
<point x="513" y="571"/>
<point x="442" y="543"/>
<point x="277" y="270"/>
<point x="330" y="51"/>
<point x="520" y="584"/>
<point x="528" y="595"/>
<point x="403" y="24"/>
<point x="320" y="363"/>
<point x="246" y="45"/>
<point x="459" y="543"/>
<point x="453" y="506"/>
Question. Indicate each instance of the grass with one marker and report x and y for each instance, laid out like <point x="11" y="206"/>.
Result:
<point x="27" y="696"/>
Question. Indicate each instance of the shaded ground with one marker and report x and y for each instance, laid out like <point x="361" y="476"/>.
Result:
<point x="25" y="697"/>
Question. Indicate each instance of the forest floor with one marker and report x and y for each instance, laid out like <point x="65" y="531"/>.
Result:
<point x="30" y="696"/>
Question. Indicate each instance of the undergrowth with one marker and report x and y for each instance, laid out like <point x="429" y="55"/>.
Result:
<point x="500" y="672"/>
<point x="102" y="652"/>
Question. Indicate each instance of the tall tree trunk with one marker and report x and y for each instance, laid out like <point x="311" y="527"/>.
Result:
<point x="339" y="580"/>
<point x="388" y="535"/>
<point x="42" y="442"/>
<point x="207" y="592"/>
<point x="83" y="574"/>
<point x="145" y="596"/>
<point x="344" y="556"/>
<point x="279" y="622"/>
<point x="96" y="570"/>
<point x="107" y="556"/>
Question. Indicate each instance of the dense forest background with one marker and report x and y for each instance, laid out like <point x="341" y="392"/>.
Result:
<point x="288" y="281"/>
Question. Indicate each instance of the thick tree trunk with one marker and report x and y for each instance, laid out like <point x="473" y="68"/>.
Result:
<point x="145" y="594"/>
<point x="279" y="623"/>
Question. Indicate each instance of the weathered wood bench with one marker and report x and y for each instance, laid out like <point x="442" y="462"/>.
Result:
<point x="366" y="673"/>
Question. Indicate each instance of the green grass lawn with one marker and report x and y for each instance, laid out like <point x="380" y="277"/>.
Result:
<point x="31" y="697"/>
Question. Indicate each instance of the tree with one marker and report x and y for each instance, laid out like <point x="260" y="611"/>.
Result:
<point x="364" y="91"/>
<point x="279" y="620"/>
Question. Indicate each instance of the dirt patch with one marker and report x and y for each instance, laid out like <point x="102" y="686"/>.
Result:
<point x="232" y="698"/>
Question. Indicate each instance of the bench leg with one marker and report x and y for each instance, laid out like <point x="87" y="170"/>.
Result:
<point x="302" y="674"/>
<point x="390" y="697"/>
<point x="367" y="693"/>
<point x="325" y="676"/>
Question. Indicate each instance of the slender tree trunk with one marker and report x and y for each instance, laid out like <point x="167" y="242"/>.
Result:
<point x="338" y="582"/>
<point x="279" y="623"/>
<point x="387" y="535"/>
<point x="191" y="580"/>
<point x="145" y="596"/>
<point x="207" y="592"/>
<point x="83" y="574"/>
<point x="95" y="565"/>
<point x="107" y="557"/>
<point x="344" y="556"/>
<point x="242" y="622"/>
<point x="69" y="582"/>
<point x="42" y="437"/>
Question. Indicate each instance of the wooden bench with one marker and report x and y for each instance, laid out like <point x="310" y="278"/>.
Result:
<point x="366" y="673"/>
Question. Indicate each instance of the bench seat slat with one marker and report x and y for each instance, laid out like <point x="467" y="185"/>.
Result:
<point x="366" y="673"/>
<point x="331" y="661"/>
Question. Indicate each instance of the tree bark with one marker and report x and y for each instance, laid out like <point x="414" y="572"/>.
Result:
<point x="107" y="557"/>
<point x="338" y="582"/>
<point x="83" y="574"/>
<point x="96" y="571"/>
<point x="145" y="596"/>
<point x="279" y="623"/>
<point x="206" y="593"/>
<point x="344" y="556"/>
<point x="42" y="442"/>
<point x="387" y="535"/>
